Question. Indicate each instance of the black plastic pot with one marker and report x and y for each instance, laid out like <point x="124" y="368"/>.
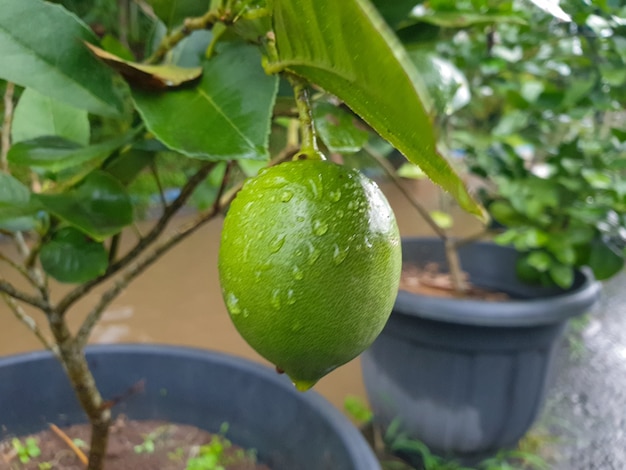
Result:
<point x="290" y="430"/>
<point x="469" y="377"/>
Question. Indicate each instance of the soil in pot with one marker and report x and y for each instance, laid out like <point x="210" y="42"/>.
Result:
<point x="428" y="280"/>
<point x="133" y="445"/>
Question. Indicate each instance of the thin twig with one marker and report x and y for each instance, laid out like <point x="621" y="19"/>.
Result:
<point x="65" y="438"/>
<point x="157" y="179"/>
<point x="190" y="25"/>
<point x="6" y="126"/>
<point x="17" y="267"/>
<point x="183" y="232"/>
<point x="30" y="323"/>
<point x="143" y="242"/>
<point x="113" y="247"/>
<point x="10" y="290"/>
<point x="384" y="164"/>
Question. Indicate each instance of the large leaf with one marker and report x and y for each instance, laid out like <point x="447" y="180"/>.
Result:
<point x="99" y="207"/>
<point x="37" y="115"/>
<point x="346" y="48"/>
<point x="41" y="46"/>
<point x="173" y="12"/>
<point x="72" y="257"/>
<point x="226" y="116"/>
<point x="337" y="128"/>
<point x="395" y="11"/>
<point x="55" y="154"/>
<point x="446" y="83"/>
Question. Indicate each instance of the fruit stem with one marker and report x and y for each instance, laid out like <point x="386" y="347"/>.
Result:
<point x="308" y="145"/>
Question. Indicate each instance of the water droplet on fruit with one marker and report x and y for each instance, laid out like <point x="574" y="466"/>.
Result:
<point x="315" y="189"/>
<point x="339" y="214"/>
<point x="352" y="205"/>
<point x="232" y="302"/>
<point x="319" y="227"/>
<point x="286" y="196"/>
<point x="340" y="255"/>
<point x="277" y="243"/>
<point x="335" y="195"/>
<point x="297" y="273"/>
<point x="246" y="313"/>
<point x="291" y="298"/>
<point x="275" y="300"/>
<point x="313" y="254"/>
<point x="299" y="219"/>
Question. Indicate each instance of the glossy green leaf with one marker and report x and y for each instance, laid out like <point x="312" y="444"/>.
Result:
<point x="56" y="154"/>
<point x="226" y="116"/>
<point x="411" y="171"/>
<point x="338" y="128"/>
<point x="41" y="45"/>
<point x="562" y="275"/>
<point x="38" y="115"/>
<point x="127" y="166"/>
<point x="540" y="260"/>
<point x="16" y="208"/>
<point x="72" y="257"/>
<point x="151" y="77"/>
<point x="446" y="84"/>
<point x="603" y="261"/>
<point x="173" y="12"/>
<point x="347" y="49"/>
<point x="99" y="207"/>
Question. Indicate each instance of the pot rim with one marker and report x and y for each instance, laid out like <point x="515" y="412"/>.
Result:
<point x="541" y="310"/>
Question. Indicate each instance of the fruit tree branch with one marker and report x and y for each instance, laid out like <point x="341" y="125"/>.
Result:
<point x="143" y="243"/>
<point x="8" y="289"/>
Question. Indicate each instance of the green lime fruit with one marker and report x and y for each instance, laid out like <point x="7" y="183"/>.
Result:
<point x="309" y="266"/>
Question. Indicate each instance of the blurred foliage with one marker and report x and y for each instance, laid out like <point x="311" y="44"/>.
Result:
<point x="545" y="126"/>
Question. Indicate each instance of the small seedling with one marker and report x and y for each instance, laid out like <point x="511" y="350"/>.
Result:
<point x="215" y="455"/>
<point x="27" y="450"/>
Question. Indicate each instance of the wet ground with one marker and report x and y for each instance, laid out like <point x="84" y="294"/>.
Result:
<point x="587" y="406"/>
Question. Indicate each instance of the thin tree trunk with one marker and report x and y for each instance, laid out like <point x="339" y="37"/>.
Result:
<point x="84" y="385"/>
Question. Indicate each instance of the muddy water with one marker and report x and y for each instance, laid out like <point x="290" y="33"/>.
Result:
<point x="178" y="301"/>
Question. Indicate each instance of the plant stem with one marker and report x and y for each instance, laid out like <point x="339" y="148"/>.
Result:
<point x="308" y="142"/>
<point x="454" y="267"/>
<point x="390" y="172"/>
<point x="84" y="385"/>
<point x="190" y="25"/>
<point x="30" y="323"/>
<point x="6" y="126"/>
<point x="10" y="290"/>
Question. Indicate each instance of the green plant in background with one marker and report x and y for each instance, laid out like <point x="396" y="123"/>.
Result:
<point x="531" y="97"/>
<point x="181" y="101"/>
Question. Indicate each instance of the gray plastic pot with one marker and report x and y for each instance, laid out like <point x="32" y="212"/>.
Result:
<point x="469" y="377"/>
<point x="290" y="430"/>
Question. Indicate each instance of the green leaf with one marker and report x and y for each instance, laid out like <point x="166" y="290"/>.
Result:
<point x="37" y="115"/>
<point x="72" y="257"/>
<point x="396" y="11"/>
<point x="57" y="154"/>
<point x="446" y="83"/>
<point x="357" y="409"/>
<point x="411" y="171"/>
<point x="226" y="116"/>
<point x="152" y="77"/>
<point x="603" y="261"/>
<point x="347" y="49"/>
<point x="337" y="128"/>
<point x="173" y="12"/>
<point x="99" y="207"/>
<point x="562" y="275"/>
<point x="127" y="166"/>
<point x="16" y="207"/>
<point x="540" y="260"/>
<point x="442" y="219"/>
<point x="41" y="45"/>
